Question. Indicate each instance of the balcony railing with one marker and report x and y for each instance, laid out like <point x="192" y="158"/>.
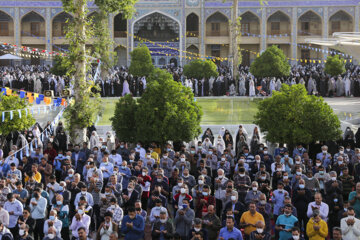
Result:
<point x="192" y="33"/>
<point x="309" y="32"/>
<point x="278" y="32"/>
<point x="217" y="34"/>
<point x="33" y="34"/>
<point x="120" y="34"/>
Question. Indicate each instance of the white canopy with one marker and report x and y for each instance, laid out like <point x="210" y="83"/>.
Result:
<point x="10" y="57"/>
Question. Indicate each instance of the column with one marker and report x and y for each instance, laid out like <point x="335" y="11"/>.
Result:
<point x="294" y="36"/>
<point x="48" y="34"/>
<point x="357" y="15"/>
<point x="111" y="26"/>
<point x="325" y="29"/>
<point x="202" y="29"/>
<point x="17" y="27"/>
<point x="17" y="30"/>
<point x="263" y="30"/>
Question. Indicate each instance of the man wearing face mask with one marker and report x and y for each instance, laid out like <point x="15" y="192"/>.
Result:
<point x="197" y="229"/>
<point x="333" y="186"/>
<point x="184" y="218"/>
<point x="203" y="200"/>
<point x="220" y="185"/>
<point x="237" y="207"/>
<point x="107" y="227"/>
<point x="78" y="159"/>
<point x="38" y="212"/>
<point x="166" y="163"/>
<point x="301" y="198"/>
<point x="296" y="234"/>
<point x="53" y="221"/>
<point x="155" y="211"/>
<point x="84" y="193"/>
<point x="350" y="225"/>
<point x="80" y="220"/>
<point x="24" y="232"/>
<point x="242" y="183"/>
<point x="51" y="234"/>
<point x="162" y="229"/>
<point x="260" y="232"/>
<point x="285" y="223"/>
<point x="253" y="194"/>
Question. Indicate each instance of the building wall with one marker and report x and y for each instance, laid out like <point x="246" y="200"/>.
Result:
<point x="178" y="10"/>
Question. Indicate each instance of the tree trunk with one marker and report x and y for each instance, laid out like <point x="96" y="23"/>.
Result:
<point x="234" y="42"/>
<point x="80" y="63"/>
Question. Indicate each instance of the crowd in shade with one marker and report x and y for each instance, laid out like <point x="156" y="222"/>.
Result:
<point x="227" y="186"/>
<point x="120" y="82"/>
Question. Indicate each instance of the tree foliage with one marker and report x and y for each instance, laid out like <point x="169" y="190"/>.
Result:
<point x="124" y="122"/>
<point x="271" y="63"/>
<point x="199" y="69"/>
<point x="103" y="43"/>
<point x="84" y="106"/>
<point x="334" y="65"/>
<point x="15" y="103"/>
<point x="166" y="111"/>
<point x="291" y="116"/>
<point x="60" y="66"/>
<point x="141" y="63"/>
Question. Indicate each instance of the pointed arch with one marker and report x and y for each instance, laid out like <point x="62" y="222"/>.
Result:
<point x="278" y="23"/>
<point x="192" y="25"/>
<point x="6" y="25"/>
<point x="60" y="24"/>
<point x="217" y="24"/>
<point x="250" y="23"/>
<point x="33" y="25"/>
<point x="310" y="24"/>
<point x="120" y="25"/>
<point x="341" y="21"/>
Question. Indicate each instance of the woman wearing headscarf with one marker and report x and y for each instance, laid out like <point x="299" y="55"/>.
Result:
<point x="208" y="134"/>
<point x="228" y="139"/>
<point x="220" y="145"/>
<point x="357" y="138"/>
<point x="349" y="137"/>
<point x="94" y="140"/>
<point x="207" y="144"/>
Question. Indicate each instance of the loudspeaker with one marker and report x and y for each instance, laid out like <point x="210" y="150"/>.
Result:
<point x="49" y="93"/>
<point x="66" y="93"/>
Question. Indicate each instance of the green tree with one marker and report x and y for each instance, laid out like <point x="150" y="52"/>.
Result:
<point x="167" y="111"/>
<point x="334" y="65"/>
<point x="8" y="126"/>
<point x="82" y="109"/>
<point x="104" y="44"/>
<point x="199" y="69"/>
<point x="141" y="63"/>
<point x="292" y="116"/>
<point x="271" y="63"/>
<point x="60" y="66"/>
<point x="124" y="122"/>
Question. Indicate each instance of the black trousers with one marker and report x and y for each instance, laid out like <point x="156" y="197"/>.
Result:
<point x="39" y="229"/>
<point x="65" y="233"/>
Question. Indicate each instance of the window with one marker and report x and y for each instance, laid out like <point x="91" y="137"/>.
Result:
<point x="63" y="29"/>
<point x="4" y="29"/>
<point x="245" y="28"/>
<point x="275" y="27"/>
<point x="305" y="26"/>
<point x="35" y="29"/>
<point x="335" y="26"/>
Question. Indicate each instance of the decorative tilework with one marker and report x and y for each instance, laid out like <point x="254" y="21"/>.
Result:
<point x="211" y="11"/>
<point x="348" y="10"/>
<point x="319" y="11"/>
<point x="40" y="11"/>
<point x="9" y="11"/>
<point x="271" y="11"/>
<point x="255" y="11"/>
<point x="55" y="11"/>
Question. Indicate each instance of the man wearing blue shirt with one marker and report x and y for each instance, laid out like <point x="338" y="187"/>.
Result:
<point x="133" y="226"/>
<point x="15" y="209"/>
<point x="285" y="223"/>
<point x="229" y="231"/>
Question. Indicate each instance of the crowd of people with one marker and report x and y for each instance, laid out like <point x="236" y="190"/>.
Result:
<point x="119" y="82"/>
<point x="221" y="186"/>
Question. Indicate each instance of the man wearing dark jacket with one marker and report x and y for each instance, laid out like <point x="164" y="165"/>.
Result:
<point x="162" y="228"/>
<point x="301" y="198"/>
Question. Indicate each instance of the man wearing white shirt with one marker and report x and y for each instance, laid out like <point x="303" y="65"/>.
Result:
<point x="15" y="209"/>
<point x="53" y="221"/>
<point x="155" y="211"/>
<point x="52" y="188"/>
<point x="91" y="168"/>
<point x="12" y="159"/>
<point x="140" y="150"/>
<point x="115" y="158"/>
<point x="273" y="165"/>
<point x="84" y="193"/>
<point x="350" y="226"/>
<point x="107" y="169"/>
<point x="321" y="206"/>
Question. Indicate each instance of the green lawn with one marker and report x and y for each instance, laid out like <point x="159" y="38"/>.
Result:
<point x="217" y="111"/>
